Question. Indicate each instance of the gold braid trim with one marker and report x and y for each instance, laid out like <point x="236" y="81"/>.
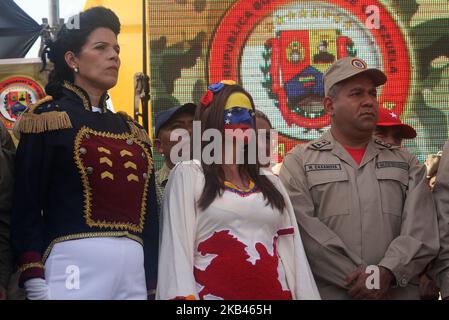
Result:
<point x="90" y="235"/>
<point x="139" y="133"/>
<point x="40" y="102"/>
<point x="80" y="93"/>
<point x="87" y="190"/>
<point x="30" y="122"/>
<point x="37" y="123"/>
<point x="31" y="265"/>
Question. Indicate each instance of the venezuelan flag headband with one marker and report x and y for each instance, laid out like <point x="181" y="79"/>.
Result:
<point x="238" y="112"/>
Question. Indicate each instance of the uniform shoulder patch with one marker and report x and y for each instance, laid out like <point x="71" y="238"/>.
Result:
<point x="320" y="144"/>
<point x="383" y="144"/>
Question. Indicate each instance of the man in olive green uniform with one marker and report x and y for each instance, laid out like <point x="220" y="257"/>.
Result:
<point x="441" y="196"/>
<point x="367" y="217"/>
<point x="7" y="151"/>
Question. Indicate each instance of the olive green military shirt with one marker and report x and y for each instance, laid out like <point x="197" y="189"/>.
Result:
<point x="161" y="180"/>
<point x="441" y="196"/>
<point x="380" y="212"/>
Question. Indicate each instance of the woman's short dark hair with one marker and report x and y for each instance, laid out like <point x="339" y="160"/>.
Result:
<point x="212" y="117"/>
<point x="73" y="38"/>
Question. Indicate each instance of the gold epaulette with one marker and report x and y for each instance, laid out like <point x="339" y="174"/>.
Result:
<point x="30" y="122"/>
<point x="137" y="131"/>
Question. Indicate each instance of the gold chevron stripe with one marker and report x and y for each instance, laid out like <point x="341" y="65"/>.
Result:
<point x="104" y="150"/>
<point x="106" y="160"/>
<point x="130" y="164"/>
<point x="107" y="174"/>
<point x="125" y="153"/>
<point x="133" y="177"/>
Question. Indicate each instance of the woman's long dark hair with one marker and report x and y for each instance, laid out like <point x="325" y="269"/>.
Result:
<point x="73" y="38"/>
<point x="212" y="117"/>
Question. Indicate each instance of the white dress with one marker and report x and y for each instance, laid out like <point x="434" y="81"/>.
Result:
<point x="238" y="248"/>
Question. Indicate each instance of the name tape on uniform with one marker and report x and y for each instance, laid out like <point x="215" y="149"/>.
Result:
<point x="321" y="167"/>
<point x="392" y="164"/>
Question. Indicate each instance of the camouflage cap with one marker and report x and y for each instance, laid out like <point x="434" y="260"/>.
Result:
<point x="349" y="67"/>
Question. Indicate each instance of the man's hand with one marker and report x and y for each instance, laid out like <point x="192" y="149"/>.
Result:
<point x="353" y="276"/>
<point x="428" y="289"/>
<point x="357" y="284"/>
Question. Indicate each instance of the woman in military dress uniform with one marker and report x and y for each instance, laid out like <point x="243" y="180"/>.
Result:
<point x="84" y="216"/>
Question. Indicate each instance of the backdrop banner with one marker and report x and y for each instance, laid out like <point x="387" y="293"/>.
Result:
<point x="279" y="49"/>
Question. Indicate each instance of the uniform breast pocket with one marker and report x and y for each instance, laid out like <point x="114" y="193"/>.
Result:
<point x="393" y="184"/>
<point x="330" y="192"/>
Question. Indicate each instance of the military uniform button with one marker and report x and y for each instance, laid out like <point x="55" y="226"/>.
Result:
<point x="143" y="154"/>
<point x="90" y="170"/>
<point x="403" y="282"/>
<point x="83" y="150"/>
<point x="87" y="136"/>
<point x="145" y="176"/>
<point x="129" y="141"/>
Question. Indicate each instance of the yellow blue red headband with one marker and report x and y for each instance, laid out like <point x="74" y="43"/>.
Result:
<point x="238" y="99"/>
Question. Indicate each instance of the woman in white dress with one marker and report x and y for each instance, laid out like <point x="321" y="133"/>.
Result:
<point x="230" y="232"/>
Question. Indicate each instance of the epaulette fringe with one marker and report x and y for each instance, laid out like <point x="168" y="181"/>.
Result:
<point x="37" y="123"/>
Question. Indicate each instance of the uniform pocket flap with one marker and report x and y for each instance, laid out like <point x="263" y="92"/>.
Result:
<point x="318" y="177"/>
<point x="397" y="171"/>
